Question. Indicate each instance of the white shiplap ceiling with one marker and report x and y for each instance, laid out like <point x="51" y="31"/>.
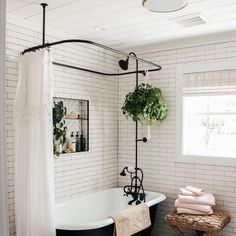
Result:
<point x="124" y="23"/>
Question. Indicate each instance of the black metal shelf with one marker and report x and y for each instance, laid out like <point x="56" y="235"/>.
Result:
<point x="75" y="118"/>
<point x="64" y="153"/>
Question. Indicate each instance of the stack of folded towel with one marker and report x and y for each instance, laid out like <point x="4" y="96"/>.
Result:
<point x="195" y="201"/>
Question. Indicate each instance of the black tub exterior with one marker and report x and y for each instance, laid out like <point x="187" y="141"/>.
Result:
<point x="107" y="230"/>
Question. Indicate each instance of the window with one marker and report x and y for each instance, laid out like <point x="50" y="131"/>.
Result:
<point x="209" y="125"/>
<point x="206" y="114"/>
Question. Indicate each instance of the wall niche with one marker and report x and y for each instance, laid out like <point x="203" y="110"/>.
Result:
<point x="70" y="125"/>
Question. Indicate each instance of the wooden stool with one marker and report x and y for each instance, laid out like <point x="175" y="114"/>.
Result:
<point x="203" y="225"/>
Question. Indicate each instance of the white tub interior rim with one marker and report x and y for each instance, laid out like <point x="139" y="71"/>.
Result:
<point x="92" y="210"/>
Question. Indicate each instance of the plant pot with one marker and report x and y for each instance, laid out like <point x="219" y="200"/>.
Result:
<point x="58" y="147"/>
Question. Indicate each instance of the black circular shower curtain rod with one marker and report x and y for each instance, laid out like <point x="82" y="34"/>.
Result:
<point x="48" y="45"/>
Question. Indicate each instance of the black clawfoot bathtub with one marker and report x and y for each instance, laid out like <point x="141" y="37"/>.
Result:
<point x="88" y="215"/>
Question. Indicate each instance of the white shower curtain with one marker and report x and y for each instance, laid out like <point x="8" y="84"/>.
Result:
<point x="34" y="146"/>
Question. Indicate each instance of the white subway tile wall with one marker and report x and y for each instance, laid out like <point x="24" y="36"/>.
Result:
<point x="112" y="134"/>
<point x="75" y="173"/>
<point x="157" y="157"/>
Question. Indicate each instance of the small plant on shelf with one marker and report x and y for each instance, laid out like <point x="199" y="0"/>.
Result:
<point x="59" y="128"/>
<point x="145" y="105"/>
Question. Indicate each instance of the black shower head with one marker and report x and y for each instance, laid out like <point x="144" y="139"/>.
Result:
<point x="124" y="64"/>
<point x="122" y="173"/>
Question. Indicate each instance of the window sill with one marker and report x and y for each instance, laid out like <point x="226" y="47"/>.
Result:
<point x="207" y="160"/>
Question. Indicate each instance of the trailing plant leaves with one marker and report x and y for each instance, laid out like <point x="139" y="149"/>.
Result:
<point x="59" y="128"/>
<point x="145" y="103"/>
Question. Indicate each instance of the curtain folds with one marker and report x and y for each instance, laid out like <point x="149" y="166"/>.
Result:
<point x="34" y="177"/>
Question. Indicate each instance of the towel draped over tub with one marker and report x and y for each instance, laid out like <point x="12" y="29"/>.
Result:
<point x="131" y="220"/>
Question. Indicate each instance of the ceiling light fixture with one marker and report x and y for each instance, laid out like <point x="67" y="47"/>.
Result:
<point x="164" y="6"/>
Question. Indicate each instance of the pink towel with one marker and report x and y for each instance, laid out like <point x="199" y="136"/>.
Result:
<point x="195" y="207"/>
<point x="185" y="192"/>
<point x="192" y="212"/>
<point x="197" y="191"/>
<point x="207" y="199"/>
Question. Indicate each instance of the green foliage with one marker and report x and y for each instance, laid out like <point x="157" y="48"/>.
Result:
<point x="145" y="104"/>
<point x="59" y="128"/>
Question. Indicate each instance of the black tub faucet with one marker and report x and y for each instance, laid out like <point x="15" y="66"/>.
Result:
<point x="135" y="189"/>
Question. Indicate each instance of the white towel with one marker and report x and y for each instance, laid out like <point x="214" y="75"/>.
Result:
<point x="207" y="199"/>
<point x="195" y="207"/>
<point x="132" y="220"/>
<point x="192" y="212"/>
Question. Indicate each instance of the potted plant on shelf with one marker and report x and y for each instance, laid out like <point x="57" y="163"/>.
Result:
<point x="59" y="128"/>
<point x="145" y="105"/>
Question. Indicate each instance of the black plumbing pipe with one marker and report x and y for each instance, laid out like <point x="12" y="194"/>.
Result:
<point x="136" y="129"/>
<point x="136" y="132"/>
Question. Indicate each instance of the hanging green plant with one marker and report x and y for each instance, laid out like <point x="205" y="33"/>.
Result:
<point x="145" y="105"/>
<point x="59" y="128"/>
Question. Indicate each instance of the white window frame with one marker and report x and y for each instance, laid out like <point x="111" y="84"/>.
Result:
<point x="4" y="225"/>
<point x="188" y="69"/>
